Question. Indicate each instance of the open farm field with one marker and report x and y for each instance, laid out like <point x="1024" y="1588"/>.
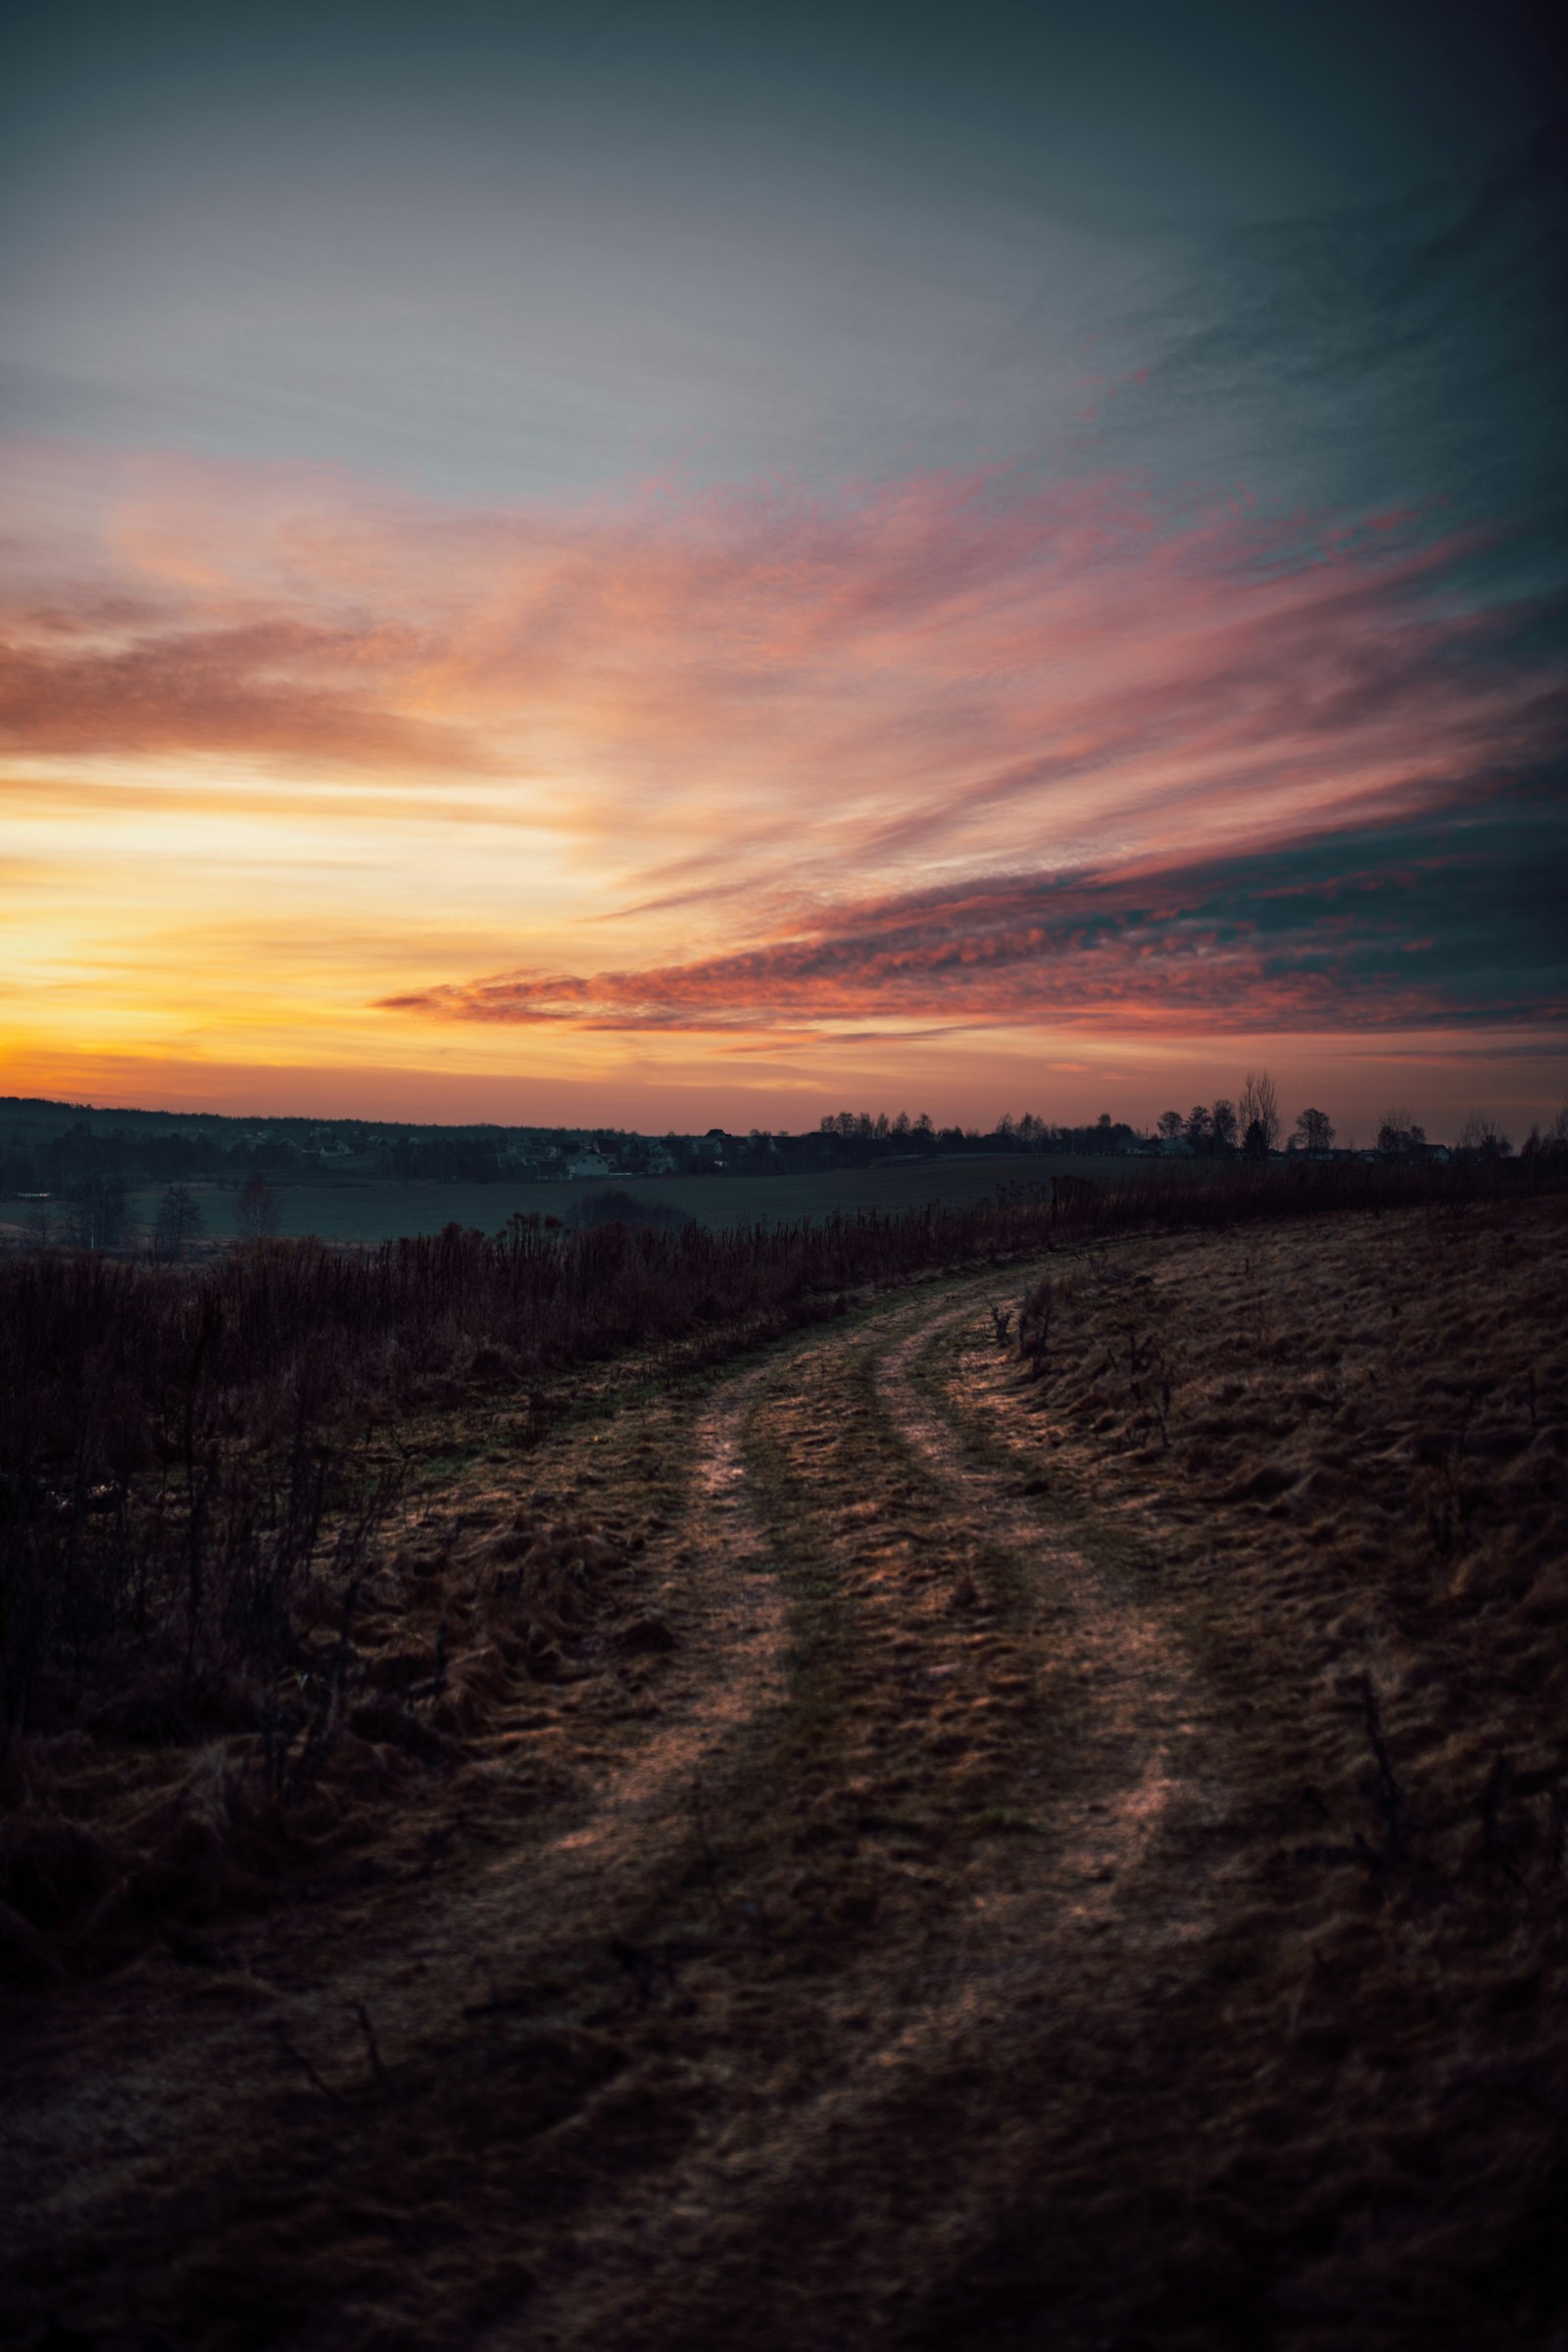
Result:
<point x="1029" y="1809"/>
<point x="376" y="1211"/>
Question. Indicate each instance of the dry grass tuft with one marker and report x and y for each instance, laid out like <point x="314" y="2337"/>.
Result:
<point x="184" y="1795"/>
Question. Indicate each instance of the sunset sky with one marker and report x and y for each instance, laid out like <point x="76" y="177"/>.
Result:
<point x="672" y="566"/>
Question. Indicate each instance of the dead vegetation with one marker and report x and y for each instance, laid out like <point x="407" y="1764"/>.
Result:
<point x="198" y="1786"/>
<point x="1383" y="1406"/>
<point x="201" y="1474"/>
<point x="1340" y="1456"/>
<point x="1132" y="1908"/>
<point x="1355" y="1440"/>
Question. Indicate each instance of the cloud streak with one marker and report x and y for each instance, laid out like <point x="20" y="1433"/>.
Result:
<point x="1451" y="918"/>
<point x="269" y="687"/>
<point x="938" y="667"/>
<point x="947" y="752"/>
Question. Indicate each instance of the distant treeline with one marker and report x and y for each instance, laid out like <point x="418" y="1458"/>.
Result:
<point x="90" y="1150"/>
<point x="860" y="1136"/>
<point x="92" y="1160"/>
<point x="74" y="1149"/>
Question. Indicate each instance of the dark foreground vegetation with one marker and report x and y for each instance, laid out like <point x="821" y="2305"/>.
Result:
<point x="194" y="1459"/>
<point x="1341" y="1452"/>
<point x="1034" y="1811"/>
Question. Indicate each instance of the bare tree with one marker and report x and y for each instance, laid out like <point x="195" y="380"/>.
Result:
<point x="1222" y="1121"/>
<point x="257" y="1213"/>
<point x="179" y="1222"/>
<point x="98" y="1212"/>
<point x="1481" y="1133"/>
<point x="1258" y="1112"/>
<point x="1199" y="1126"/>
<point x="1314" y="1131"/>
<point x="1169" y="1125"/>
<point x="1397" y="1131"/>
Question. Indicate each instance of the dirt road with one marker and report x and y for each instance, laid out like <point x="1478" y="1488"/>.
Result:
<point x="867" y="1937"/>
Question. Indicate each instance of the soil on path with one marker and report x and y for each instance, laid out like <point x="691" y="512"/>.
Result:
<point x="874" y="1935"/>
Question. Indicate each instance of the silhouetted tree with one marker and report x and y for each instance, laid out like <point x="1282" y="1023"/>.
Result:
<point x="1169" y="1124"/>
<point x="98" y="1212"/>
<point x="1258" y="1108"/>
<point x="1314" y="1131"/>
<point x="179" y="1221"/>
<point x="1222" y="1121"/>
<point x="257" y="1213"/>
<point x="1481" y="1133"/>
<point x="1398" y="1132"/>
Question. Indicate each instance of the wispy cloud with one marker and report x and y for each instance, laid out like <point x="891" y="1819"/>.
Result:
<point x="937" y="668"/>
<point x="269" y="686"/>
<point x="949" y="751"/>
<point x="1451" y="916"/>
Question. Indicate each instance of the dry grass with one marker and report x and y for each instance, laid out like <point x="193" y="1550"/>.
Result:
<point x="897" y="1842"/>
<point x="186" y="1795"/>
<point x="1339" y="1456"/>
<point x="1368" y="1424"/>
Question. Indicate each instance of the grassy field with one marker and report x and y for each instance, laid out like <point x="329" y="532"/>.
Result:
<point x="1032" y="1812"/>
<point x="377" y="1211"/>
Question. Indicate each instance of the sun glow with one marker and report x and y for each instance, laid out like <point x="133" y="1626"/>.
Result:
<point x="304" y="777"/>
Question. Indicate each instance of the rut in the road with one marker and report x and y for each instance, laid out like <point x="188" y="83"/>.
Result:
<point x="1141" y="1724"/>
<point x="993" y="1732"/>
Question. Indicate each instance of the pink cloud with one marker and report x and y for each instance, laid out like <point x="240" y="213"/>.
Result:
<point x="937" y="648"/>
<point x="268" y="685"/>
<point x="1448" y="916"/>
<point x="794" y="714"/>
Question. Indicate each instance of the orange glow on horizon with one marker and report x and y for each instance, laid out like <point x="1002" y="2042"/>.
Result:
<point x="769" y="795"/>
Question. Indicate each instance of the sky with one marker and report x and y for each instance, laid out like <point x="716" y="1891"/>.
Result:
<point x="670" y="566"/>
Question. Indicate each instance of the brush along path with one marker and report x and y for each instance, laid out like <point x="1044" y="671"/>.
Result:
<point x="573" y="1802"/>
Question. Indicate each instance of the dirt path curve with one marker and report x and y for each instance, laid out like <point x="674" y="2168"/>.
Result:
<point x="855" y="1934"/>
<point x="873" y="2148"/>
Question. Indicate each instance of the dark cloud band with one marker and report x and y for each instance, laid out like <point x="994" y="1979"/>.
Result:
<point x="1452" y="915"/>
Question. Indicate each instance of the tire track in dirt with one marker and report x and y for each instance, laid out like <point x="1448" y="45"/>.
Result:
<point x="1144" y="1694"/>
<point x="827" y="2167"/>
